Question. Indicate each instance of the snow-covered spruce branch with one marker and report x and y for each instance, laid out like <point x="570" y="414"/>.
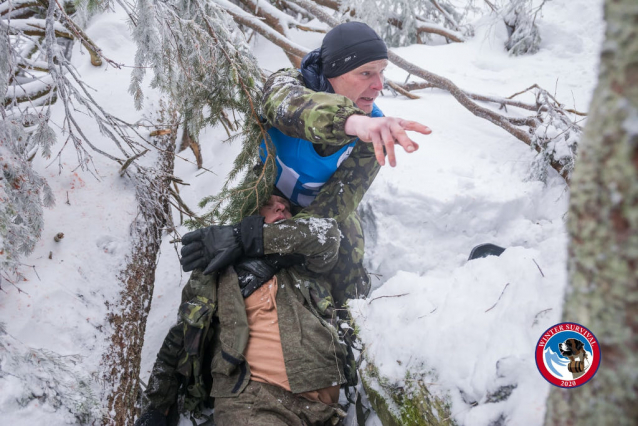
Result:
<point x="263" y="28"/>
<point x="502" y="102"/>
<point x="22" y="191"/>
<point x="35" y="72"/>
<point x="55" y="381"/>
<point x="200" y="59"/>
<point x="551" y="133"/>
<point x="73" y="28"/>
<point x="276" y="16"/>
<point x="410" y="21"/>
<point x="524" y="37"/>
<point x="399" y="23"/>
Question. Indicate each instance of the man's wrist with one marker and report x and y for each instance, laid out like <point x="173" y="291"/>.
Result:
<point x="342" y="115"/>
<point x="353" y="123"/>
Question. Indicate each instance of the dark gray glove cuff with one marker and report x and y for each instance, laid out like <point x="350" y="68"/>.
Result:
<point x="251" y="230"/>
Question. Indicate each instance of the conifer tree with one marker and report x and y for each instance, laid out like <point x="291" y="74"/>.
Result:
<point x="404" y="22"/>
<point x="603" y="228"/>
<point x="524" y="37"/>
<point x="201" y="60"/>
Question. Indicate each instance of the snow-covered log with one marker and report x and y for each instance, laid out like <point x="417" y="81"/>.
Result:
<point x="121" y="362"/>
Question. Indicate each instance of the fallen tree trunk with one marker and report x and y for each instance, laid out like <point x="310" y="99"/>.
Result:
<point x="121" y="362"/>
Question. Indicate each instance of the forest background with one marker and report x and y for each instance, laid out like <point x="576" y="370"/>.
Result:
<point x="114" y="118"/>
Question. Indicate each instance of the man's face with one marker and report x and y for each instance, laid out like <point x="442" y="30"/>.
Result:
<point x="362" y="85"/>
<point x="276" y="209"/>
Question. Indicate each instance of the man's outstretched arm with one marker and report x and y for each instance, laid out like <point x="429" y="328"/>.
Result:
<point x="297" y="111"/>
<point x="332" y="119"/>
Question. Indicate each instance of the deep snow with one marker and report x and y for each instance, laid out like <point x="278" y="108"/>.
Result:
<point x="469" y="327"/>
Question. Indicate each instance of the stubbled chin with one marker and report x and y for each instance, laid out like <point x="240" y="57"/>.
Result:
<point x="366" y="106"/>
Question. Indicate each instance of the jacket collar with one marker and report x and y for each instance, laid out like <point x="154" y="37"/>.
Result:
<point x="312" y="72"/>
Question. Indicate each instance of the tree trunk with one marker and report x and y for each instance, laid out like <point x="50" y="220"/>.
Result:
<point x="603" y="226"/>
<point x="121" y="362"/>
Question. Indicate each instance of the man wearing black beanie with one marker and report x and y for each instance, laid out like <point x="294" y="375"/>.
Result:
<point x="320" y="120"/>
<point x="348" y="46"/>
<point x="323" y="117"/>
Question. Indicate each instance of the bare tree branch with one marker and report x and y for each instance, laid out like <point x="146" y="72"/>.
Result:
<point x="272" y="17"/>
<point x="267" y="32"/>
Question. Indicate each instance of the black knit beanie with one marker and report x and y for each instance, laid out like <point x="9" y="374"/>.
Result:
<point x="348" y="46"/>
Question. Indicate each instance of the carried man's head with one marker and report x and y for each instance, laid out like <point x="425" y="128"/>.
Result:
<point x="354" y="58"/>
<point x="276" y="208"/>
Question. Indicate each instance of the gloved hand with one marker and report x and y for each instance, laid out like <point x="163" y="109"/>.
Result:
<point x="254" y="272"/>
<point x="216" y="247"/>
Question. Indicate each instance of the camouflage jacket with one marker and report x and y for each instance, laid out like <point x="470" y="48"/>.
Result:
<point x="320" y="117"/>
<point x="313" y="354"/>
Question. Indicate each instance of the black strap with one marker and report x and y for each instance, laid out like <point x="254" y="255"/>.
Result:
<point x="362" y="412"/>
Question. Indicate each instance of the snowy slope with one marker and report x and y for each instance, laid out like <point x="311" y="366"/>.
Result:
<point x="466" y="185"/>
<point x="471" y="328"/>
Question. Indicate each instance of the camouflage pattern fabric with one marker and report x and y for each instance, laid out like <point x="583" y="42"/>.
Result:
<point x="213" y="311"/>
<point x="314" y="357"/>
<point x="296" y="111"/>
<point x="320" y="117"/>
<point x="164" y="383"/>
<point x="181" y="361"/>
<point x="266" y="405"/>
<point x="196" y="316"/>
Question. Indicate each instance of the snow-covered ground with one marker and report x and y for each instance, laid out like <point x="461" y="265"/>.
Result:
<point x="471" y="327"/>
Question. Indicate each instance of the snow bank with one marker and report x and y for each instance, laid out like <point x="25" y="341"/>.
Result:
<point x="470" y="328"/>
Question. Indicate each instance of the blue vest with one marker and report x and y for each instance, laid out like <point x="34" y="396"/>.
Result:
<point x="301" y="172"/>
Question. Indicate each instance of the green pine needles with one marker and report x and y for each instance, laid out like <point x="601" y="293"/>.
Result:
<point x="201" y="60"/>
<point x="234" y="202"/>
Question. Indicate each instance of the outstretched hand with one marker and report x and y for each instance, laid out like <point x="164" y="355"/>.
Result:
<point x="385" y="132"/>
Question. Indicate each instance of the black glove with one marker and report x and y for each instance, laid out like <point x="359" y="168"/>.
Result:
<point x="216" y="247"/>
<point x="152" y="417"/>
<point x="254" y="272"/>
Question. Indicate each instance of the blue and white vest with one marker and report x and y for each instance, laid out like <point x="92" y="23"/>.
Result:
<point x="301" y="172"/>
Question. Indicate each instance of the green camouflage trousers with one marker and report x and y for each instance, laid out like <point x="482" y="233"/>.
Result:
<point x="349" y="278"/>
<point x="261" y="404"/>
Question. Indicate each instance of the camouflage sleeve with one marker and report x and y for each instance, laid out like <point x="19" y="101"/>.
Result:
<point x="341" y="195"/>
<point x="303" y="113"/>
<point x="314" y="238"/>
